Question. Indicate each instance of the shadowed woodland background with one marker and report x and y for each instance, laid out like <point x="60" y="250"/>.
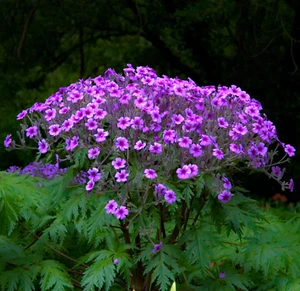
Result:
<point x="254" y="44"/>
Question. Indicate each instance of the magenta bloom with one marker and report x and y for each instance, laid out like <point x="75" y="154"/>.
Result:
<point x="123" y="122"/>
<point x="261" y="149"/>
<point x="122" y="144"/>
<point x="291" y="185"/>
<point x="170" y="196"/>
<point x="116" y="260"/>
<point x="184" y="172"/>
<point x="118" y="163"/>
<point x="101" y="135"/>
<point x="205" y="140"/>
<point x="276" y="171"/>
<point x="139" y="145"/>
<point x="177" y="119"/>
<point x="195" y="150"/>
<point x="54" y="129"/>
<point x="94" y="174"/>
<point x="72" y="143"/>
<point x="91" y="124"/>
<point x="160" y="189"/>
<point x="157" y="247"/>
<point x="222" y="122"/>
<point x="90" y="185"/>
<point x="111" y="207"/>
<point x="31" y="131"/>
<point x="7" y="141"/>
<point x="222" y="275"/>
<point x="22" y="114"/>
<point x="194" y="170"/>
<point x="50" y="114"/>
<point x="121" y="213"/>
<point x="43" y="146"/>
<point x="289" y="150"/>
<point x="224" y="196"/>
<point x="226" y="183"/>
<point x="169" y="136"/>
<point x="218" y="154"/>
<point x="150" y="174"/>
<point x="121" y="176"/>
<point x="93" y="153"/>
<point x="67" y="125"/>
<point x="184" y="142"/>
<point x="137" y="123"/>
<point x="156" y="148"/>
<point x="99" y="114"/>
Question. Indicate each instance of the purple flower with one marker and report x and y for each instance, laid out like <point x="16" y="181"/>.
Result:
<point x="94" y="175"/>
<point x="205" y="140"/>
<point x="289" y="150"/>
<point x="261" y="149"/>
<point x="240" y="129"/>
<point x="116" y="260"/>
<point x="150" y="174"/>
<point x="222" y="122"/>
<point x="31" y="131"/>
<point x="137" y="123"/>
<point x="252" y="152"/>
<point x="121" y="213"/>
<point x="234" y="148"/>
<point x="218" y="154"/>
<point x="177" y="119"/>
<point x="91" y="124"/>
<point x="90" y="185"/>
<point x="123" y="122"/>
<point x="93" y="153"/>
<point x="157" y="247"/>
<point x="226" y="183"/>
<point x="291" y="185"/>
<point x="121" y="176"/>
<point x="160" y="189"/>
<point x="111" y="207"/>
<point x="184" y="142"/>
<point x="50" y="114"/>
<point x="67" y="125"/>
<point x="122" y="144"/>
<point x="156" y="148"/>
<point x="7" y="141"/>
<point x="184" y="172"/>
<point x="101" y="135"/>
<point x="169" y="136"/>
<point x="54" y="129"/>
<point x="194" y="170"/>
<point x="43" y="146"/>
<point x="72" y="143"/>
<point x="139" y="145"/>
<point x="118" y="163"/>
<point x="222" y="275"/>
<point x="224" y="196"/>
<point x="195" y="150"/>
<point x="276" y="171"/>
<point x="170" y="196"/>
<point x="22" y="114"/>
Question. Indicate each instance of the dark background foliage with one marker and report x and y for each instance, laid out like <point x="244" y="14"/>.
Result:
<point x="254" y="44"/>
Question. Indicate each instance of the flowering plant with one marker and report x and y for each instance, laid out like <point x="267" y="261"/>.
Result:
<point x="150" y="164"/>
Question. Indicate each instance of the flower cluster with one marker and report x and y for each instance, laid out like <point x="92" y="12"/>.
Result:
<point x="159" y="126"/>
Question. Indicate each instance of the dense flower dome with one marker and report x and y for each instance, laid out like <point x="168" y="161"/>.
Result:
<point x="161" y="127"/>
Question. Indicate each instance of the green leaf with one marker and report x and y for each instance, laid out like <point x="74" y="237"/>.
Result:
<point x="101" y="272"/>
<point x="187" y="195"/>
<point x="54" y="276"/>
